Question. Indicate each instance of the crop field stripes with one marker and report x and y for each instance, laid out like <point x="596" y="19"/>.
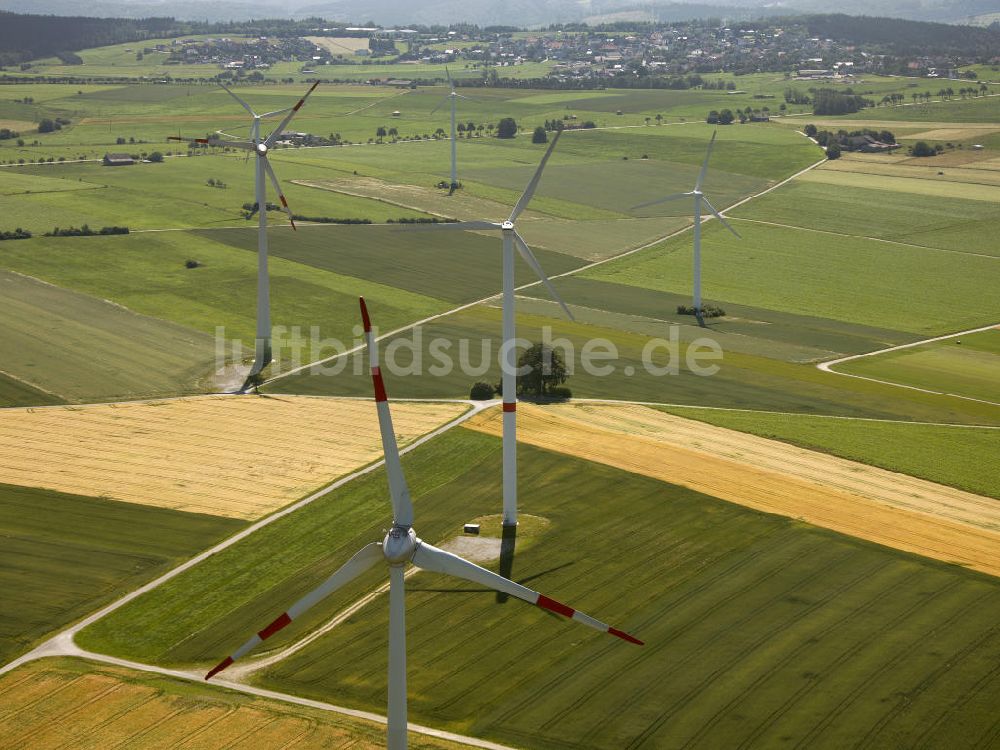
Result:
<point x="788" y="658"/>
<point x="864" y="237"/>
<point x="820" y="726"/>
<point x="581" y="269"/>
<point x="710" y="679"/>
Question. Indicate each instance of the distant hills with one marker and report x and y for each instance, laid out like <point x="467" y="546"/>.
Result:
<point x="523" y="13"/>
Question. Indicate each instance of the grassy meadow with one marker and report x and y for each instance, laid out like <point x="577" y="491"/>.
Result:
<point x="858" y="626"/>
<point x="65" y="555"/>
<point x="967" y="365"/>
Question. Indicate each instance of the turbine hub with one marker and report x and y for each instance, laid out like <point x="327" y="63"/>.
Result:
<point x="507" y="225"/>
<point x="399" y="545"/>
<point x="261" y="149"/>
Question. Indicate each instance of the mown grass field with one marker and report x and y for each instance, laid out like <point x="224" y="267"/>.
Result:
<point x="952" y="455"/>
<point x="863" y="281"/>
<point x="150" y="278"/>
<point x="755" y="373"/>
<point x="757" y="627"/>
<point x="41" y="703"/>
<point x="65" y="555"/>
<point x="144" y="452"/>
<point x="966" y="365"/>
<point x="69" y="346"/>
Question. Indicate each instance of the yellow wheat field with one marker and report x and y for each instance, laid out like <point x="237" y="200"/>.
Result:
<point x="237" y="456"/>
<point x="70" y="703"/>
<point x="864" y="501"/>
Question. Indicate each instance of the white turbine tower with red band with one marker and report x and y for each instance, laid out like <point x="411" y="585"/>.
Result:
<point x="261" y="146"/>
<point x="699" y="199"/>
<point x="512" y="239"/>
<point x="400" y="546"/>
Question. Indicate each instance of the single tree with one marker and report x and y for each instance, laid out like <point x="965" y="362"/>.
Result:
<point x="833" y="150"/>
<point x="539" y="136"/>
<point x="506" y="128"/>
<point x="547" y="369"/>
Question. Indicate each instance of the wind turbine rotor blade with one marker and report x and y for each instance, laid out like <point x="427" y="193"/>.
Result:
<point x="362" y="561"/>
<point x="718" y="216"/>
<point x="243" y="104"/>
<point x="531" y="260"/>
<point x="448" y="74"/>
<point x="276" y="133"/>
<point x="439" y="104"/>
<point x="704" y="164"/>
<point x="396" y="715"/>
<point x="453" y="225"/>
<point x="276" y="112"/>
<point x="429" y="557"/>
<point x="192" y="140"/>
<point x="529" y="191"/>
<point x="277" y="189"/>
<point x="402" y="507"/>
<point x="671" y="197"/>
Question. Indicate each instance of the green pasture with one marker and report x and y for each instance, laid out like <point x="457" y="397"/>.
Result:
<point x="967" y="365"/>
<point x="149" y="277"/>
<point x="172" y="194"/>
<point x="866" y="211"/>
<point x="457" y="267"/>
<point x="952" y="455"/>
<point x="847" y="181"/>
<point x="65" y="555"/>
<point x="979" y="109"/>
<point x="862" y="281"/>
<point x="14" y="392"/>
<point x="748" y="611"/>
<point x="63" y="345"/>
<point x="459" y="349"/>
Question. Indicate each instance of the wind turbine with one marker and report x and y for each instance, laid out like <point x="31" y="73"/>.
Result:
<point x="699" y="198"/>
<point x="511" y="239"/>
<point x="452" y="97"/>
<point x="400" y="546"/>
<point x="260" y="146"/>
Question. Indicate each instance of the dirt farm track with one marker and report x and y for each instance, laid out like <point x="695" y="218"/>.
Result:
<point x="880" y="506"/>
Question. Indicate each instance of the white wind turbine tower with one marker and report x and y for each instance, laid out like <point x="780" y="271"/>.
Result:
<point x="699" y="198"/>
<point x="452" y="97"/>
<point x="400" y="546"/>
<point x="511" y="239"/>
<point x="261" y="146"/>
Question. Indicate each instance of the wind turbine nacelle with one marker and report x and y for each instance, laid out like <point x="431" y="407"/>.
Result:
<point x="399" y="545"/>
<point x="261" y="149"/>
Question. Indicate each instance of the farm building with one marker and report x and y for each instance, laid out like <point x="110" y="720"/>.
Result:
<point x="868" y="145"/>
<point x="118" y="160"/>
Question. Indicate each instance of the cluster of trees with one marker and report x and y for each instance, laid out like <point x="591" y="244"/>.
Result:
<point x="922" y="148"/>
<point x="547" y="371"/>
<point x="707" y="311"/>
<point x="727" y="116"/>
<point x="906" y="38"/>
<point x="85" y="231"/>
<point x="833" y="102"/>
<point x="17" y="234"/>
<point x="212" y="182"/>
<point x="7" y="134"/>
<point x="48" y="125"/>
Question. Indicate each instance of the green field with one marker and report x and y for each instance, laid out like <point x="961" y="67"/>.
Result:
<point x="862" y="281"/>
<point x="65" y="555"/>
<point x="757" y="627"/>
<point x="75" y="347"/>
<point x="952" y="455"/>
<point x="928" y="220"/>
<point x="966" y="365"/>
<point x="150" y="278"/>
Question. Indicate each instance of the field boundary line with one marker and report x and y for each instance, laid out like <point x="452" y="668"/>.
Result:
<point x="828" y="365"/>
<point x="572" y="272"/>
<point x="76" y="652"/>
<point x="864" y="237"/>
<point x="60" y="639"/>
<point x="623" y="402"/>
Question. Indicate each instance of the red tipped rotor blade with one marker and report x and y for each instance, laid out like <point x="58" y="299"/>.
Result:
<point x="430" y="557"/>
